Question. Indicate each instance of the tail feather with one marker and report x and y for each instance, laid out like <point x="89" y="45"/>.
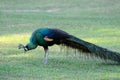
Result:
<point x="91" y="49"/>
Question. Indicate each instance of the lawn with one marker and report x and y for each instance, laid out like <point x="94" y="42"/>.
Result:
<point x="95" y="21"/>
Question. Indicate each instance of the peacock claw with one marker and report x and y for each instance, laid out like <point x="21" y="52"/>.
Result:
<point x="45" y="62"/>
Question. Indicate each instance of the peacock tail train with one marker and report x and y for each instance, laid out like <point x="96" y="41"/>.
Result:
<point x="91" y="49"/>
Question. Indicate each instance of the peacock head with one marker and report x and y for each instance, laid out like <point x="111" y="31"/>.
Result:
<point x="20" y="46"/>
<point x="29" y="46"/>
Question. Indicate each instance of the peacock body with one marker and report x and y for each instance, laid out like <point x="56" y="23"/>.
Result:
<point x="48" y="36"/>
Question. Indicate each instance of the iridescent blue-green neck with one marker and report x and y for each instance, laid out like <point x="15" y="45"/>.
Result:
<point x="40" y="39"/>
<point x="37" y="38"/>
<point x="31" y="46"/>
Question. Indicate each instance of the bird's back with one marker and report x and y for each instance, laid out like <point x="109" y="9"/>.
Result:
<point x="55" y="34"/>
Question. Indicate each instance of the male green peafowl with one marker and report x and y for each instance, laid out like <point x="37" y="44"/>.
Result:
<point x="48" y="36"/>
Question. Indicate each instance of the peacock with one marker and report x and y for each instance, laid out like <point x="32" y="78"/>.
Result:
<point x="46" y="37"/>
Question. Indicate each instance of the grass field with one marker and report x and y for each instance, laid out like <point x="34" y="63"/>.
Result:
<point x="96" y="21"/>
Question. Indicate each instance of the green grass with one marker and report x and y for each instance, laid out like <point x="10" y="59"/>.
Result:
<point x="96" y="21"/>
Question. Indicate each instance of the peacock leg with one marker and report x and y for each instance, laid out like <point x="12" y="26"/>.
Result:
<point x="46" y="55"/>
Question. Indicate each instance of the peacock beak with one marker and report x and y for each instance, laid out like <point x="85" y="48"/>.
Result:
<point x="25" y="50"/>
